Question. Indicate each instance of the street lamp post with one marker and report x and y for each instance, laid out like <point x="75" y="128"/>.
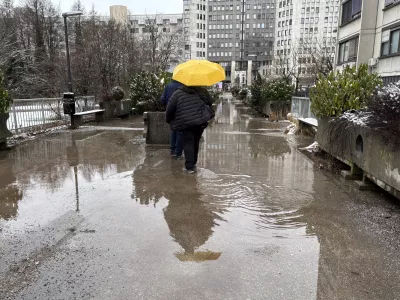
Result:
<point x="256" y="57"/>
<point x="66" y="15"/>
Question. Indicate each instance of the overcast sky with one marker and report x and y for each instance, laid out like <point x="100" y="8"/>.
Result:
<point x="135" y="6"/>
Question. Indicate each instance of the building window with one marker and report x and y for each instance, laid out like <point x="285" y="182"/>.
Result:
<point x="390" y="2"/>
<point x="348" y="51"/>
<point x="351" y="9"/>
<point x="390" y="42"/>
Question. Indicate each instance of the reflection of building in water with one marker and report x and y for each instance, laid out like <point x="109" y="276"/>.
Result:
<point x="352" y="262"/>
<point x="51" y="160"/>
<point x="233" y="145"/>
<point x="97" y="152"/>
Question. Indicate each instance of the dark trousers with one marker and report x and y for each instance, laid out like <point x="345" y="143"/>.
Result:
<point x="176" y="143"/>
<point x="191" y="143"/>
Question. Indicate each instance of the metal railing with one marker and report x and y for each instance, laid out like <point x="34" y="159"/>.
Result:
<point x="301" y="108"/>
<point x="31" y="114"/>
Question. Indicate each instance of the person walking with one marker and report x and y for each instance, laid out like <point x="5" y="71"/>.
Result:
<point x="188" y="111"/>
<point x="176" y="142"/>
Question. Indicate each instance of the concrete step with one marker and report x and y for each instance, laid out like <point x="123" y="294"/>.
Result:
<point x="347" y="175"/>
<point x="365" y="186"/>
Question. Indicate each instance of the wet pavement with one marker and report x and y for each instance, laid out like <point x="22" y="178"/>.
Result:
<point x="94" y="214"/>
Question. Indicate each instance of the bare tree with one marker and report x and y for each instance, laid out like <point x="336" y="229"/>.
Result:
<point x="305" y="60"/>
<point x="162" y="45"/>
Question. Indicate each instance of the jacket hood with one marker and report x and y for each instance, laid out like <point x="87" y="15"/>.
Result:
<point x="193" y="89"/>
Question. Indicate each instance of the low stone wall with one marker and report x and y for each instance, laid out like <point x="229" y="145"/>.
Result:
<point x="4" y="132"/>
<point x="123" y="108"/>
<point x="115" y="109"/>
<point x="156" y="130"/>
<point x="365" y="148"/>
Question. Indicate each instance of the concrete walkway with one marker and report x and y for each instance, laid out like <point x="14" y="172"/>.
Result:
<point x="94" y="214"/>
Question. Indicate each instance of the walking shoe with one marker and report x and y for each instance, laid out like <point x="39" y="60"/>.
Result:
<point x="188" y="171"/>
<point x="178" y="157"/>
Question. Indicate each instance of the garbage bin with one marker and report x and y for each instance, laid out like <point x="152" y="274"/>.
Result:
<point x="69" y="103"/>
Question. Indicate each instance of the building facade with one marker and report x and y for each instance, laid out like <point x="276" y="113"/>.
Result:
<point x="195" y="29"/>
<point x="370" y="34"/>
<point x="163" y="31"/>
<point x="305" y="38"/>
<point x="241" y="37"/>
<point x="119" y="13"/>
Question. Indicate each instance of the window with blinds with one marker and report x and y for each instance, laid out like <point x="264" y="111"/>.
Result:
<point x="351" y="9"/>
<point x="348" y="51"/>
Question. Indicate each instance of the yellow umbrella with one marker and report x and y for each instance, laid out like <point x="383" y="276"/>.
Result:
<point x="199" y="73"/>
<point x="198" y="256"/>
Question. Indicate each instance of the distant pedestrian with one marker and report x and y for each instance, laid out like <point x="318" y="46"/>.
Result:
<point x="189" y="111"/>
<point x="176" y="142"/>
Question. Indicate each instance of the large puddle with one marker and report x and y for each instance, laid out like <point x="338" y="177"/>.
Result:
<point x="249" y="225"/>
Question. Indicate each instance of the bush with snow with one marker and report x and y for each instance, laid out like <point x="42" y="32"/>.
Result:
<point x="343" y="91"/>
<point x="117" y="93"/>
<point x="385" y="104"/>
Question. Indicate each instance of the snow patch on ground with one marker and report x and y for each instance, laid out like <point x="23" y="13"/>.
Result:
<point x="313" y="148"/>
<point x="292" y="129"/>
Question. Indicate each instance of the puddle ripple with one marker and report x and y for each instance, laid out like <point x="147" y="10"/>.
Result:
<point x="274" y="207"/>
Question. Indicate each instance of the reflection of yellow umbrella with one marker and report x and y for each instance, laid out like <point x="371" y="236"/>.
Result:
<point x="199" y="73"/>
<point x="198" y="256"/>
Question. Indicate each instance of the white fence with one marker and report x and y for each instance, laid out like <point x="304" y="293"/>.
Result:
<point x="301" y="110"/>
<point x="28" y="114"/>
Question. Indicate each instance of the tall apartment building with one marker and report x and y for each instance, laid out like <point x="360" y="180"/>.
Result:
<point x="370" y="34"/>
<point x="119" y="13"/>
<point x="195" y="29"/>
<point x="305" y="38"/>
<point x="241" y="37"/>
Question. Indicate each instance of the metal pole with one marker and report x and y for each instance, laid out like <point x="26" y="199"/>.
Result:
<point x="76" y="188"/>
<point x="42" y="107"/>
<point x="242" y="39"/>
<point x="68" y="58"/>
<point x="15" y="117"/>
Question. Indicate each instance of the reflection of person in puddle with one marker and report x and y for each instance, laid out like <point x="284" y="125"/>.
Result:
<point x="189" y="220"/>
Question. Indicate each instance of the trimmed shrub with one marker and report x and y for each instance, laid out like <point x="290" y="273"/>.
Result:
<point x="342" y="91"/>
<point x="145" y="90"/>
<point x="117" y="93"/>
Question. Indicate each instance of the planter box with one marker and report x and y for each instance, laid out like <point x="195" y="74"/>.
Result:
<point x="156" y="130"/>
<point x="4" y="132"/>
<point x="365" y="148"/>
<point x="123" y="108"/>
<point x="110" y="109"/>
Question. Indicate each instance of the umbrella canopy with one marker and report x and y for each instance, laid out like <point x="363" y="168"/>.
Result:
<point x="199" y="73"/>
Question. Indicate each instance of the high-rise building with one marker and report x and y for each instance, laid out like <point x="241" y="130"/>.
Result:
<point x="305" y="38"/>
<point x="369" y="33"/>
<point x="241" y="37"/>
<point x="119" y="13"/>
<point x="195" y="29"/>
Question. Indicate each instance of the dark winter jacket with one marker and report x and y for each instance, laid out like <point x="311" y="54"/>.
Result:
<point x="169" y="91"/>
<point x="185" y="107"/>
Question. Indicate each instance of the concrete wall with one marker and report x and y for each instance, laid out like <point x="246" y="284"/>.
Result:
<point x="378" y="157"/>
<point x="156" y="130"/>
<point x="4" y="132"/>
